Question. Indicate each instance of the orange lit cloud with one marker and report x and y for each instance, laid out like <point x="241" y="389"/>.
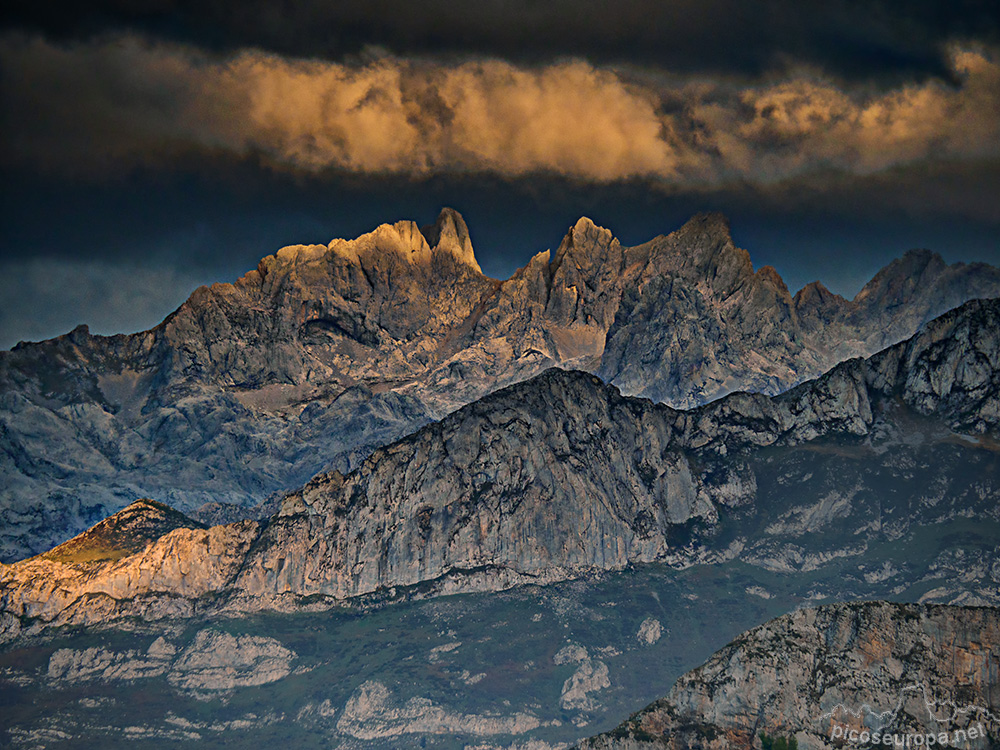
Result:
<point x="106" y="106"/>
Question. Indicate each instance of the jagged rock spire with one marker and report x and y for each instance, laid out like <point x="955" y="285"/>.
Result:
<point x="450" y="234"/>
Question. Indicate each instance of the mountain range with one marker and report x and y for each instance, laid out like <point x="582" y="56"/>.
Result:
<point x="324" y="353"/>
<point x="560" y="476"/>
<point x="614" y="462"/>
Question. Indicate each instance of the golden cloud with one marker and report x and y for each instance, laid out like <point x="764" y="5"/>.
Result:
<point x="115" y="103"/>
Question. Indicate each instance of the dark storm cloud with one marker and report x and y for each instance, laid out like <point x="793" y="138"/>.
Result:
<point x="845" y="37"/>
<point x="110" y="105"/>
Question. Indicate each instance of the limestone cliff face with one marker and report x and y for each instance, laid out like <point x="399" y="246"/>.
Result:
<point x="875" y="666"/>
<point x="166" y="577"/>
<point x="561" y="475"/>
<point x="556" y="475"/>
<point x="323" y="353"/>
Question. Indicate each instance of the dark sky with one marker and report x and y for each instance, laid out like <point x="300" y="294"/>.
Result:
<point x="150" y="146"/>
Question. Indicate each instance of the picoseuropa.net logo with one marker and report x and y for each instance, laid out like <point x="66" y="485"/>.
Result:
<point x="915" y="721"/>
<point x="866" y="738"/>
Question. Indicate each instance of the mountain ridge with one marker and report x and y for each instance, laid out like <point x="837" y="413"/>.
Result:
<point x="323" y="353"/>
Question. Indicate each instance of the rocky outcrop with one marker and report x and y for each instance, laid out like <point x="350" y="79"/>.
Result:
<point x="323" y="353"/>
<point x="650" y="631"/>
<point x="373" y="712"/>
<point x="579" y="692"/>
<point x="562" y="475"/>
<point x="213" y="661"/>
<point x="220" y="661"/>
<point x="820" y="674"/>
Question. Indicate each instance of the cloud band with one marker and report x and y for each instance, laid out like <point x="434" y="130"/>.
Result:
<point x="106" y="106"/>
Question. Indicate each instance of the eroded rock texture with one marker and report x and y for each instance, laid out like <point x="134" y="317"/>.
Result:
<point x="888" y="668"/>
<point x="562" y="475"/>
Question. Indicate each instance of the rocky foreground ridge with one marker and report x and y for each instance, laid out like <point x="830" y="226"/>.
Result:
<point x="562" y="475"/>
<point x="325" y="352"/>
<point x="871" y="666"/>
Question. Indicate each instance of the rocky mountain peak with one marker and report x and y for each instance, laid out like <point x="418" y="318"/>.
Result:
<point x="451" y="234"/>
<point x="446" y="239"/>
<point x="586" y="229"/>
<point x="703" y="251"/>
<point x="898" y="279"/>
<point x="815" y="292"/>
<point x="583" y="235"/>
<point x="921" y="258"/>
<point x="81" y="332"/>
<point x="770" y="275"/>
<point x="709" y="224"/>
<point x="818" y="303"/>
<point x="403" y="237"/>
<point x="586" y="242"/>
<point x="126" y="532"/>
<point x="406" y="237"/>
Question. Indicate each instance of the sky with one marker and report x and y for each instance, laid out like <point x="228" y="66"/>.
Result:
<point x="149" y="146"/>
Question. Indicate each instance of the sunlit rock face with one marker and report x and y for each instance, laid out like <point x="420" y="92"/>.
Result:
<point x="561" y="476"/>
<point x="875" y="667"/>
<point x="323" y="353"/>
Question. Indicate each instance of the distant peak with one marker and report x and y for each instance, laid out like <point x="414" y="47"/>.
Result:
<point x="902" y="275"/>
<point x="771" y="275"/>
<point x="451" y="234"/>
<point x="814" y="290"/>
<point x="78" y="335"/>
<point x="704" y="249"/>
<point x="714" y="223"/>
<point x="918" y="259"/>
<point x="919" y="255"/>
<point x="448" y="220"/>
<point x="816" y="298"/>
